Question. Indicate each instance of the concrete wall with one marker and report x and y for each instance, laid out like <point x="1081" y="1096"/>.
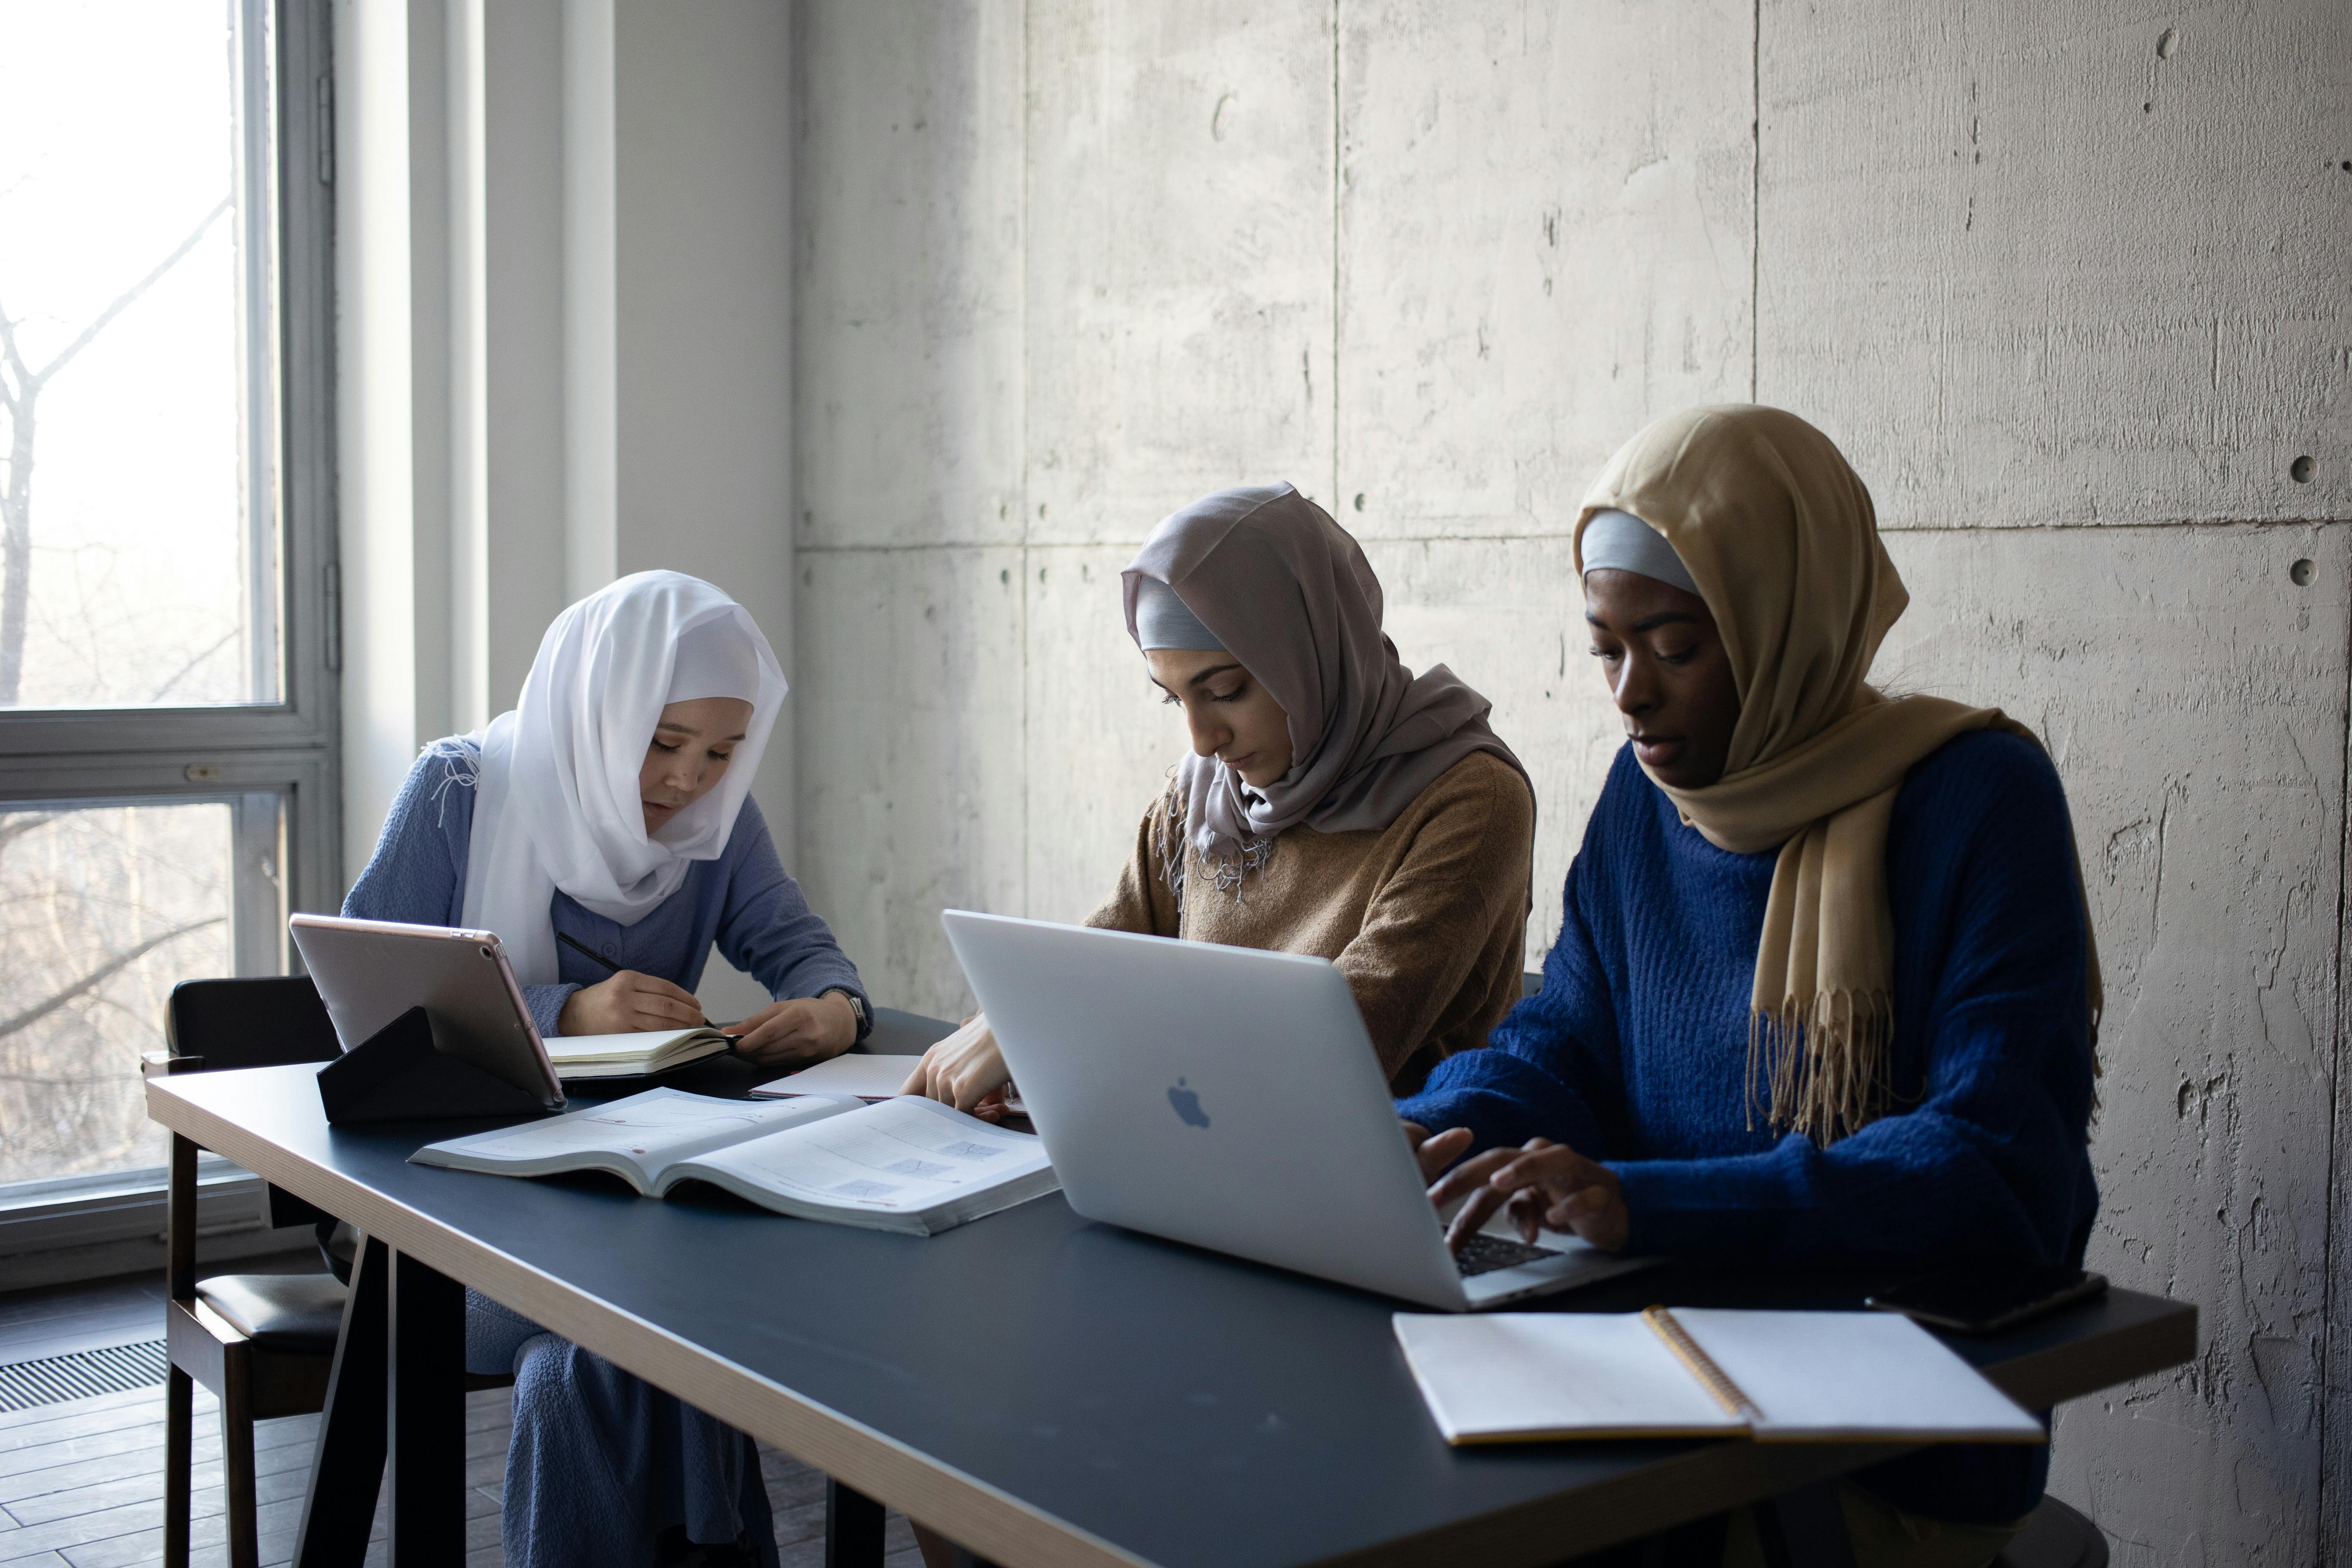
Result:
<point x="2067" y="281"/>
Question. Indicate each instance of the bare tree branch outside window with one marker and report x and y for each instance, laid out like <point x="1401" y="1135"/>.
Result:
<point x="129" y="542"/>
<point x="20" y="399"/>
<point x="102" y="909"/>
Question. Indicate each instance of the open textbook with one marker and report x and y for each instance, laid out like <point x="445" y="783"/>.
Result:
<point x="632" y="1055"/>
<point x="911" y="1166"/>
<point x="1691" y="1371"/>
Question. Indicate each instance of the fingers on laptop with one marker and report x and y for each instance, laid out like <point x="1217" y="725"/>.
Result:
<point x="1435" y="1152"/>
<point x="1545" y="1185"/>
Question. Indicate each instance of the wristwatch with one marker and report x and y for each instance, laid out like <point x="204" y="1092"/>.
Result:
<point x="857" y="1007"/>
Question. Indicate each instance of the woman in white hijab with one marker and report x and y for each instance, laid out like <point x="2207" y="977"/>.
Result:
<point x="604" y="829"/>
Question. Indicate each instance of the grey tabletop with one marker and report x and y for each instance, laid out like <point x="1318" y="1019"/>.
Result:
<point x="1169" y="1405"/>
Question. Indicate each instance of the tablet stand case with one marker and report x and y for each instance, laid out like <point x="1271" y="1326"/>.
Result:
<point x="398" y="1075"/>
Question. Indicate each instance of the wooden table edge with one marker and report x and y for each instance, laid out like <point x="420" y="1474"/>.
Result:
<point x="989" y="1520"/>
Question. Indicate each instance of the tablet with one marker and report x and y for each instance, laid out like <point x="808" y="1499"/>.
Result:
<point x="371" y="971"/>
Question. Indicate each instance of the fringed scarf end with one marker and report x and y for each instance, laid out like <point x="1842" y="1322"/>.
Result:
<point x="1826" y="1070"/>
<point x="1227" y="874"/>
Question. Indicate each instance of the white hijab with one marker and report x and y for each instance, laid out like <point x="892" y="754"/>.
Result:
<point x="556" y="801"/>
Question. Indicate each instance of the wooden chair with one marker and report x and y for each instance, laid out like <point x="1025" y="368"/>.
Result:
<point x="264" y="1343"/>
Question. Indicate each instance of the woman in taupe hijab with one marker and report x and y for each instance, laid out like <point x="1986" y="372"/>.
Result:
<point x="1333" y="802"/>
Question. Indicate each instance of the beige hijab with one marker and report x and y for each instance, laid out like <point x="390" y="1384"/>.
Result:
<point x="1780" y="534"/>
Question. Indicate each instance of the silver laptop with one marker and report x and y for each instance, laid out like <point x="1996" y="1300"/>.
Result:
<point x="1230" y="1099"/>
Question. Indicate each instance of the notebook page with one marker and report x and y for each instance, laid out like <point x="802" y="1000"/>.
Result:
<point x="653" y="1128"/>
<point x="1818" y="1375"/>
<point x="868" y="1078"/>
<point x="894" y="1155"/>
<point x="1503" y="1376"/>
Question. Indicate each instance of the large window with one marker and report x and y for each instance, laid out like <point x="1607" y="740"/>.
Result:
<point x="167" y="725"/>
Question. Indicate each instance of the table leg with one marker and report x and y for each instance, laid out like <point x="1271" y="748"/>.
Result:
<point x="347" y="1464"/>
<point x="852" y="1528"/>
<point x="179" y="1457"/>
<point x="1698" y="1543"/>
<point x="1805" y="1528"/>
<point x="427" y="1375"/>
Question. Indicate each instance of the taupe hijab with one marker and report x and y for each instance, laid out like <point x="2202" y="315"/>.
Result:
<point x="1780" y="534"/>
<point x="1289" y="592"/>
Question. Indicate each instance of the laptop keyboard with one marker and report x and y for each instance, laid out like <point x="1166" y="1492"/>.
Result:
<point x="1483" y="1253"/>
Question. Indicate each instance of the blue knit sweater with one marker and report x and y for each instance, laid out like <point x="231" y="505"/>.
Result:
<point x="744" y="901"/>
<point x="1635" y="1053"/>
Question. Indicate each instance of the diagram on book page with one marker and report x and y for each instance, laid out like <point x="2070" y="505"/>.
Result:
<point x="660" y="1124"/>
<point x="898" y="1155"/>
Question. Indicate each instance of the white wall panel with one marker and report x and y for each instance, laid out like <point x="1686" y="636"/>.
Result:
<point x="1100" y="741"/>
<point x="2193" y="696"/>
<point x="2061" y="263"/>
<point x="909" y="287"/>
<point x="1545" y="221"/>
<point x="909" y="755"/>
<point x="1178" y="258"/>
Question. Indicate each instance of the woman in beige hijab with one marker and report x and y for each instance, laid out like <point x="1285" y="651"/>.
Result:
<point x="1333" y="802"/>
<point x="1824" y="990"/>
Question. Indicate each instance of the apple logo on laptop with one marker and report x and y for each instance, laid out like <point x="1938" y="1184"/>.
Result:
<point x="1188" y="1105"/>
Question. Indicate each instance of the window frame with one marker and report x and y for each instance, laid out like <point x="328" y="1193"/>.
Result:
<point x="151" y="750"/>
<point x="290" y="748"/>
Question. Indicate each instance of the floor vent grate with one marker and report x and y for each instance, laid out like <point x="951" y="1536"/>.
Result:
<point x="52" y="1380"/>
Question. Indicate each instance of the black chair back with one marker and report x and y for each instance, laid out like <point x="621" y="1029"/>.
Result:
<point x="259" y="1022"/>
<point x="214" y="1025"/>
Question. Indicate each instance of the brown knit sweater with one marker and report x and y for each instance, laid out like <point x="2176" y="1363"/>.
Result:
<point x="1427" y="918"/>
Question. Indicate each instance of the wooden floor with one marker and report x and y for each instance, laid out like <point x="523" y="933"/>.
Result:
<point x="81" y="1483"/>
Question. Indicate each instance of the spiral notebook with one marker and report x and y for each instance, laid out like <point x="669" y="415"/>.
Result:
<point x="1693" y="1372"/>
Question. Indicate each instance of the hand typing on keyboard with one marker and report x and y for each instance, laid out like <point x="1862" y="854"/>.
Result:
<point x="1542" y="1184"/>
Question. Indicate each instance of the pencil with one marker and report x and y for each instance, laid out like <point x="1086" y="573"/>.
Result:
<point x="583" y="948"/>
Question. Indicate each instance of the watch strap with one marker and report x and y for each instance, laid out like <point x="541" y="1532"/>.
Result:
<point x="857" y="1007"/>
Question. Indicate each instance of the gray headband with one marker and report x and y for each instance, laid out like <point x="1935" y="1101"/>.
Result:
<point x="1163" y="620"/>
<point x="1618" y="541"/>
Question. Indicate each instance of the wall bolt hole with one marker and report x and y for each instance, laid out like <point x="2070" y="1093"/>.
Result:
<point x="2300" y="470"/>
<point x="2303" y="572"/>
